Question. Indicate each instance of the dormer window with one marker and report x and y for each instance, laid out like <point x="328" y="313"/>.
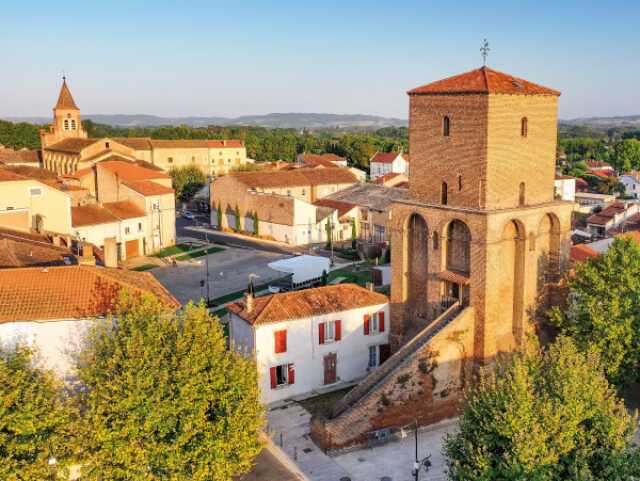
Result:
<point x="446" y="126"/>
<point x="524" y="127"/>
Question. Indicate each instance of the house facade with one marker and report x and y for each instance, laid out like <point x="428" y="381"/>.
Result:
<point x="631" y="182"/>
<point x="565" y="187"/>
<point x="383" y="163"/>
<point x="310" y="339"/>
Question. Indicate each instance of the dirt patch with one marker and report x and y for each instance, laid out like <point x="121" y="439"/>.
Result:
<point x="321" y="405"/>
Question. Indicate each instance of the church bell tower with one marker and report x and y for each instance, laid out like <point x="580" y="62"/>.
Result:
<point x="66" y="119"/>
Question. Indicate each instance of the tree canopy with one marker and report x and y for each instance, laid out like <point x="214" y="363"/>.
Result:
<point x="34" y="418"/>
<point x="603" y="309"/>
<point x="543" y="415"/>
<point x="165" y="399"/>
<point x="187" y="181"/>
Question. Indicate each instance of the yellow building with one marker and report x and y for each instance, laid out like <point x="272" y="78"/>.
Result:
<point x="66" y="148"/>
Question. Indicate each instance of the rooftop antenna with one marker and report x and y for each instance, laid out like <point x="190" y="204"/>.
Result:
<point x="484" y="51"/>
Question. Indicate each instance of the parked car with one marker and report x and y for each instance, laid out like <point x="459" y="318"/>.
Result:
<point x="188" y="215"/>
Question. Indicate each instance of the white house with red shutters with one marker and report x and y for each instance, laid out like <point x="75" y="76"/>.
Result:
<point x="383" y="163"/>
<point x="306" y="340"/>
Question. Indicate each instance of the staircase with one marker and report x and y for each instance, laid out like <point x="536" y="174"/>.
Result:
<point x="401" y="356"/>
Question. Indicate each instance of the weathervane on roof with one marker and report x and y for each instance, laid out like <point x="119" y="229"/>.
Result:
<point x="484" y="50"/>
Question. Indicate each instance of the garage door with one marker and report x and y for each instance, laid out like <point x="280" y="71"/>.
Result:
<point x="131" y="248"/>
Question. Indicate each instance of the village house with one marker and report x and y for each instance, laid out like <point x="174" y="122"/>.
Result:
<point x="612" y="216"/>
<point x="50" y="308"/>
<point x="383" y="163"/>
<point x="565" y="187"/>
<point x="631" y="182"/>
<point x="600" y="168"/>
<point x="588" y="202"/>
<point x="310" y="339"/>
<point x="66" y="148"/>
<point x="282" y="202"/>
<point x="326" y="160"/>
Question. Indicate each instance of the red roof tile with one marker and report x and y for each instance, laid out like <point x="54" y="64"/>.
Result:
<point x="65" y="99"/>
<point x="9" y="176"/>
<point x="70" y="292"/>
<point x="483" y="81"/>
<point x="341" y="207"/>
<point x="128" y="171"/>
<point x="195" y="143"/>
<point x="582" y="252"/>
<point x="306" y="303"/>
<point x="149" y="188"/>
<point x="93" y="214"/>
<point x="385" y="157"/>
<point x="71" y="145"/>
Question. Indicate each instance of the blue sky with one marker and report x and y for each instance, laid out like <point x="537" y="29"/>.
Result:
<point x="251" y="57"/>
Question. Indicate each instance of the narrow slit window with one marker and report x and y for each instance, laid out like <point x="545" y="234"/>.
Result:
<point x="524" y="127"/>
<point x="446" y="126"/>
<point x="444" y="194"/>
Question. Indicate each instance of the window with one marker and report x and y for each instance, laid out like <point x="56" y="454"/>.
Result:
<point x="73" y="124"/>
<point x="228" y="161"/>
<point x="304" y="191"/>
<point x="156" y="205"/>
<point x="170" y="160"/>
<point x="280" y="341"/>
<point x="329" y="331"/>
<point x="373" y="324"/>
<point x="373" y="356"/>
<point x="289" y="193"/>
<point x="66" y="124"/>
<point x="444" y="194"/>
<point x="446" y="126"/>
<point x="282" y="375"/>
<point x="521" y="194"/>
<point x="459" y="182"/>
<point x="524" y="127"/>
<point x="139" y="226"/>
<point x="106" y="145"/>
<point x="127" y="230"/>
<point x="35" y="192"/>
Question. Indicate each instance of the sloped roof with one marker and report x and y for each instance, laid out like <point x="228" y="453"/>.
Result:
<point x="483" y="81"/>
<point x="341" y="207"/>
<point x="20" y="249"/>
<point x="385" y="157"/>
<point x="71" y="145"/>
<point x="581" y="252"/>
<point x="109" y="212"/>
<point x="7" y="175"/>
<point x="70" y="292"/>
<point x="65" y="99"/>
<point x="137" y="143"/>
<point x="306" y="303"/>
<point x="148" y="187"/>
<point x="22" y="156"/>
<point x="195" y="143"/>
<point x="295" y="178"/>
<point x="128" y="171"/>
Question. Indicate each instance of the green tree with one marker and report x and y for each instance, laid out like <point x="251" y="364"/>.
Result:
<point x="187" y="181"/>
<point x="34" y="418"/>
<point x="325" y="277"/>
<point x="256" y="224"/>
<point x="219" y="215"/>
<point x="354" y="235"/>
<point x="164" y="398"/>
<point x="543" y="416"/>
<point x="626" y="155"/>
<point x="604" y="309"/>
<point x="238" y="219"/>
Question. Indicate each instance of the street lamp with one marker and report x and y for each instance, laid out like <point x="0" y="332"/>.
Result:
<point x="418" y="463"/>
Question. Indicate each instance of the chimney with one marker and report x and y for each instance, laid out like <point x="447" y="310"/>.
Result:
<point x="248" y="302"/>
<point x="224" y="143"/>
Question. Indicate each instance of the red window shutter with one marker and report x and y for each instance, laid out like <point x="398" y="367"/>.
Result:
<point x="274" y="381"/>
<point x="381" y="321"/>
<point x="321" y="332"/>
<point x="366" y="324"/>
<point x="338" y="330"/>
<point x="280" y="338"/>
<point x="292" y="374"/>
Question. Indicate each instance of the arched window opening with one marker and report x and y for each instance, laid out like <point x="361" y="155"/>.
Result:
<point x="458" y="247"/>
<point x="524" y="127"/>
<point x="73" y="124"/>
<point x="446" y="126"/>
<point x="521" y="194"/>
<point x="444" y="194"/>
<point x="66" y="124"/>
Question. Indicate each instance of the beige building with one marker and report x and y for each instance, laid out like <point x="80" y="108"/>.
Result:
<point x="65" y="147"/>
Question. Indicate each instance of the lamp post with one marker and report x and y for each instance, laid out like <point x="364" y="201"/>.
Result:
<point x="418" y="463"/>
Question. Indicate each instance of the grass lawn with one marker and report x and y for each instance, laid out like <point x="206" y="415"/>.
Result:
<point x="144" y="267"/>
<point x="324" y="403"/>
<point x="234" y="296"/>
<point x="362" y="276"/>
<point x="202" y="253"/>
<point x="170" y="251"/>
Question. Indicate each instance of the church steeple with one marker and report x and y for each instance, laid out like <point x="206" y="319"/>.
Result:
<point x="65" y="99"/>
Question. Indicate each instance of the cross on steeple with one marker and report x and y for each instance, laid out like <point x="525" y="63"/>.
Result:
<point x="484" y="51"/>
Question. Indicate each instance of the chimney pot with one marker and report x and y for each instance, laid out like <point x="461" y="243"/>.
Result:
<point x="248" y="302"/>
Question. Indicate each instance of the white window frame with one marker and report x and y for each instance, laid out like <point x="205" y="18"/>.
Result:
<point x="329" y="332"/>
<point x="374" y="323"/>
<point x="374" y="353"/>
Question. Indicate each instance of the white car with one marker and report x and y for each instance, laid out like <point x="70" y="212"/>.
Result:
<point x="188" y="215"/>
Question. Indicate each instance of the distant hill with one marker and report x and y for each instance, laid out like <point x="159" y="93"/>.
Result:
<point x="605" y="122"/>
<point x="274" y="120"/>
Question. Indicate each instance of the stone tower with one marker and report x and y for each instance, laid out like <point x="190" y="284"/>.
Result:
<point x="66" y="119"/>
<point x="482" y="227"/>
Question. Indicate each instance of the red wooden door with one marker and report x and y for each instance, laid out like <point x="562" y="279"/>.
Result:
<point x="330" y="361"/>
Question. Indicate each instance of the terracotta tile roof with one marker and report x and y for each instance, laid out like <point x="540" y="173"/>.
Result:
<point x="607" y="214"/>
<point x="306" y="303"/>
<point x="8" y="176"/>
<point x="326" y="160"/>
<point x="23" y="156"/>
<point x="71" y="145"/>
<point x="483" y="81"/>
<point x="65" y="99"/>
<point x="80" y="173"/>
<point x="149" y="188"/>
<point x="581" y="252"/>
<point x="109" y="212"/>
<point x="295" y="178"/>
<point x="128" y="171"/>
<point x="137" y="143"/>
<point x="602" y="174"/>
<point x="402" y="185"/>
<point x="341" y="207"/>
<point x="455" y="277"/>
<point x="195" y="143"/>
<point x="598" y="164"/>
<point x="70" y="292"/>
<point x="386" y="177"/>
<point x="36" y="173"/>
<point x="17" y="250"/>
<point x="385" y="157"/>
